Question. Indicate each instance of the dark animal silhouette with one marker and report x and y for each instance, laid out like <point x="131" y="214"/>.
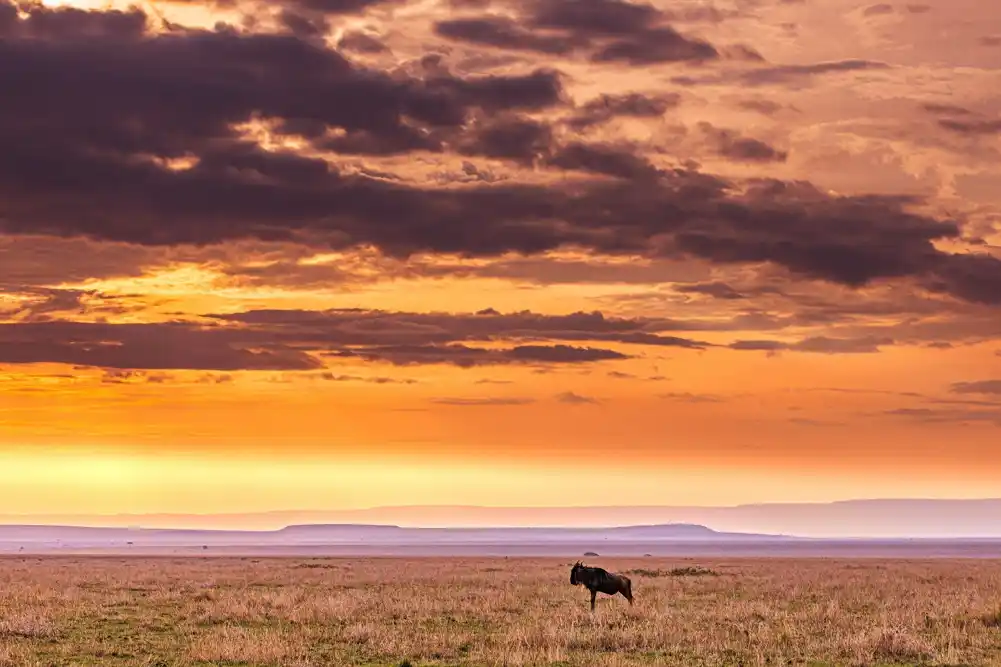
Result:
<point x="597" y="580"/>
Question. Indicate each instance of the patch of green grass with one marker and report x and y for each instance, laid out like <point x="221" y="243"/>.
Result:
<point x="993" y="619"/>
<point x="690" y="571"/>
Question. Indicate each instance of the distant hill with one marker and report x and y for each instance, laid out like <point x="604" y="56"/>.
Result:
<point x="358" y="540"/>
<point x="355" y="534"/>
<point x="402" y="535"/>
<point x="886" y="518"/>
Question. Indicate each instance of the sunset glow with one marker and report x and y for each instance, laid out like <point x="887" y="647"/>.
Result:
<point x="263" y="256"/>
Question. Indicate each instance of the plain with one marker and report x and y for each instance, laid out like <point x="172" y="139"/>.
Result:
<point x="495" y="611"/>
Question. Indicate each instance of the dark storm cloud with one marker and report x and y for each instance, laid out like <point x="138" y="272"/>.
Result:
<point x="174" y="95"/>
<point x="610" y="30"/>
<point x="297" y="340"/>
<point x="304" y="26"/>
<point x="43" y="22"/>
<point x="361" y="43"/>
<point x="974" y="277"/>
<point x="730" y="144"/>
<point x="510" y="138"/>
<point x="603" y="108"/>
<point x="595" y="17"/>
<point x="656" y="45"/>
<point x="339" y="328"/>
<point x="603" y="159"/>
<point x="93" y="165"/>
<point x="504" y="33"/>
<point x="142" y="346"/>
<point x="338" y="7"/>
<point x="40" y="304"/>
<point x="331" y="6"/>
<point x="44" y="302"/>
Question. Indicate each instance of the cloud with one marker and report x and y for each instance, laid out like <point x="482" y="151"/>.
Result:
<point x="335" y="377"/>
<point x="946" y="109"/>
<point x="308" y="7"/>
<point x="816" y="344"/>
<point x="657" y="45"/>
<point x="978" y="387"/>
<point x="972" y="127"/>
<point x="877" y="10"/>
<point x="480" y="402"/>
<point x="611" y="31"/>
<point x="768" y="75"/>
<point x="335" y="329"/>
<point x="816" y="423"/>
<point x="41" y="22"/>
<point x="605" y="107"/>
<point x="785" y="73"/>
<point x="503" y="32"/>
<point x="152" y="155"/>
<point x="361" y="42"/>
<point x="729" y="144"/>
<point x="144" y="346"/>
<point x="686" y="397"/>
<point x="464" y="356"/>
<point x="717" y="290"/>
<point x="296" y="340"/>
<point x="766" y="107"/>
<point x="512" y="138"/>
<point x="134" y="377"/>
<point x="572" y="398"/>
<point x="188" y="90"/>
<point x="604" y="159"/>
<point x="948" y="416"/>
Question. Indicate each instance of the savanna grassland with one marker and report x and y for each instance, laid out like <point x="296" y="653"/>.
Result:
<point x="439" y="611"/>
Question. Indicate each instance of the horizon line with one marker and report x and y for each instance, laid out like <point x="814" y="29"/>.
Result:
<point x="372" y="508"/>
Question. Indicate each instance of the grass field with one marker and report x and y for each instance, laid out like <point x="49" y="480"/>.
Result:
<point x="294" y="613"/>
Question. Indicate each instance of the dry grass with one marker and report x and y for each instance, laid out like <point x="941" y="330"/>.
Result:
<point x="299" y="613"/>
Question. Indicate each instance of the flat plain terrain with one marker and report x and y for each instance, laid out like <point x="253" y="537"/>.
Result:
<point x="495" y="611"/>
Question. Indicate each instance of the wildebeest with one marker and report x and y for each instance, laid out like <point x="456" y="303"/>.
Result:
<point x="597" y="580"/>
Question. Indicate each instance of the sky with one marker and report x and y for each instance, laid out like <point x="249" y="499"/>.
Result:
<point x="331" y="254"/>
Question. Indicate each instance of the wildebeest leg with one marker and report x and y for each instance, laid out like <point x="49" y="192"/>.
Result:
<point x="627" y="591"/>
<point x="594" y="594"/>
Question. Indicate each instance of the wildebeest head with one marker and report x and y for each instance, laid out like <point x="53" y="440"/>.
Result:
<point x="573" y="573"/>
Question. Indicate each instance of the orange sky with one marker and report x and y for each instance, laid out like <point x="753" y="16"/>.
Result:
<point x="511" y="252"/>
